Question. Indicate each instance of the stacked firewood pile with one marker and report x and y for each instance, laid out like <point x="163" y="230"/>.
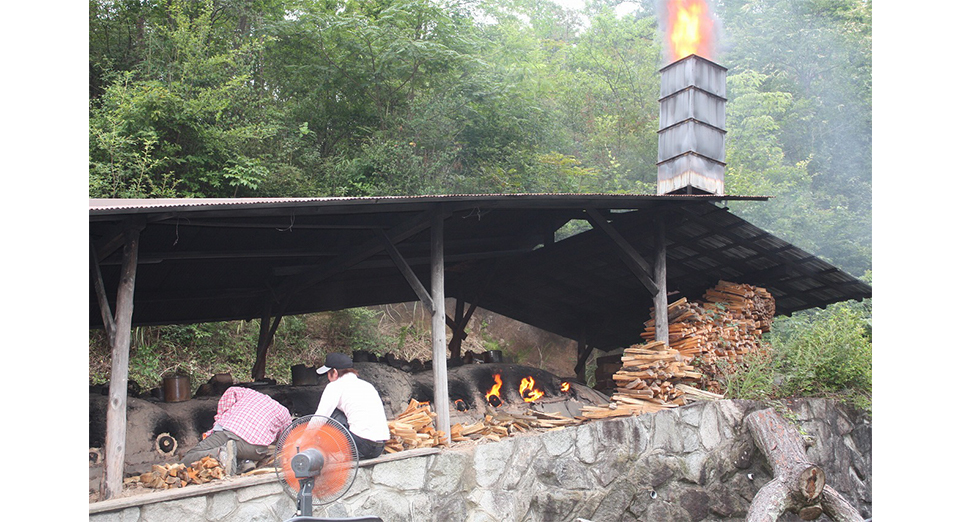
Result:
<point x="704" y="337"/>
<point x="414" y="428"/>
<point x="167" y="476"/>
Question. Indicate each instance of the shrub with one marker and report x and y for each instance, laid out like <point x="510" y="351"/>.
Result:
<point x="818" y="353"/>
<point x="827" y="353"/>
<point x="752" y="380"/>
<point x="201" y="350"/>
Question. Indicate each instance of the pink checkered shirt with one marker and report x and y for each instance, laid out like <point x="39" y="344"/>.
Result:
<point x="253" y="416"/>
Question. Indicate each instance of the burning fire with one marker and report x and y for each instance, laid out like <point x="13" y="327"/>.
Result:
<point x="493" y="396"/>
<point x="689" y="29"/>
<point x="528" y="390"/>
<point x="564" y="386"/>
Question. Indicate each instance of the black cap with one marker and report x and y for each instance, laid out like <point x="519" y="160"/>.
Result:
<point x="337" y="361"/>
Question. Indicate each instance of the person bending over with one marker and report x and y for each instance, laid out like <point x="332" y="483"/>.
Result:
<point x="246" y="423"/>
<point x="354" y="403"/>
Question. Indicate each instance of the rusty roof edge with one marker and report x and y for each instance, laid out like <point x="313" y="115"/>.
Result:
<point x="109" y="206"/>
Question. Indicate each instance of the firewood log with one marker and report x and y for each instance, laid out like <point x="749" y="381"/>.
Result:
<point x="725" y="326"/>
<point x="798" y="485"/>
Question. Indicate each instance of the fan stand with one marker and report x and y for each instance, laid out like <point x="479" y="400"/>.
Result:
<point x="305" y="497"/>
<point x="305" y="465"/>
<point x="305" y="505"/>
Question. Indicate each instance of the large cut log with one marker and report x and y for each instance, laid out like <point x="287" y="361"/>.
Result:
<point x="798" y="485"/>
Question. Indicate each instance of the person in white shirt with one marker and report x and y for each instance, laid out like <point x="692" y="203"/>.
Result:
<point x="355" y="403"/>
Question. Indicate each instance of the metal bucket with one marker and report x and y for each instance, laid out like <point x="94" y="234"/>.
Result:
<point x="176" y="388"/>
<point x="493" y="356"/>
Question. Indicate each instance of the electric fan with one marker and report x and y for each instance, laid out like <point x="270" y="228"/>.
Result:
<point x="316" y="461"/>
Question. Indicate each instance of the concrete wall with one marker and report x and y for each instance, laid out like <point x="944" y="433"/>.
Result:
<point x="692" y="463"/>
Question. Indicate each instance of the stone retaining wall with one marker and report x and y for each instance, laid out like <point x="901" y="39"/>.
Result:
<point x="697" y="462"/>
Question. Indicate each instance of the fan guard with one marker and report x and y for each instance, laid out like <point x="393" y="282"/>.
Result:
<point x="336" y="444"/>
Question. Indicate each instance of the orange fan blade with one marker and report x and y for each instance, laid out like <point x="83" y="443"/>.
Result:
<point x="337" y="454"/>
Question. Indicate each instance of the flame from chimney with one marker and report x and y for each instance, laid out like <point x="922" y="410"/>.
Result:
<point x="690" y="29"/>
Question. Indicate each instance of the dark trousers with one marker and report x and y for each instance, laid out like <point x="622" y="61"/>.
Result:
<point x="366" y="448"/>
<point x="211" y="445"/>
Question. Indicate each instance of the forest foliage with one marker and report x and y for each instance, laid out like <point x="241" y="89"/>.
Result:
<point x="285" y="98"/>
<point x="225" y="98"/>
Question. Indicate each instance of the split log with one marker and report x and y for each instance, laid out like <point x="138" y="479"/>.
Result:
<point x="500" y="424"/>
<point x="798" y="485"/>
<point x="414" y="428"/>
<point x="178" y="475"/>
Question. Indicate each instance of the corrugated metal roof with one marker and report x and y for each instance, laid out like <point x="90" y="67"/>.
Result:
<point x="210" y="260"/>
<point x="106" y="205"/>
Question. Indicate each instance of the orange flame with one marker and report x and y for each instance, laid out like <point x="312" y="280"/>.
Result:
<point x="564" y="386"/>
<point x="689" y="29"/>
<point x="495" y="390"/>
<point x="528" y="391"/>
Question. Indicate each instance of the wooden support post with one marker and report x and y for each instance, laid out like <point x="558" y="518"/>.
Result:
<point x="661" y="324"/>
<point x="115" y="440"/>
<point x="441" y="401"/>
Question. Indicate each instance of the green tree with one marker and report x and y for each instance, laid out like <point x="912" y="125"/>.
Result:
<point x="367" y="80"/>
<point x="613" y="104"/>
<point x="187" y="119"/>
<point x="819" y="53"/>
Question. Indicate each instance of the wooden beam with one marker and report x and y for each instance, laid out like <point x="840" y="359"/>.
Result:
<point x="292" y="270"/>
<point x="441" y="401"/>
<point x="113" y="237"/>
<point x="106" y="314"/>
<point x="193" y="255"/>
<point x="111" y="241"/>
<point x="408" y="274"/>
<point x="634" y="261"/>
<point x="116" y="434"/>
<point x="661" y="325"/>
<point x="346" y="260"/>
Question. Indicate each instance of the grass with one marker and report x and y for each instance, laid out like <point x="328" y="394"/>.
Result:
<point x="818" y="353"/>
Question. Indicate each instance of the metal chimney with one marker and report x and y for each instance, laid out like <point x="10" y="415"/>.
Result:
<point x="691" y="156"/>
